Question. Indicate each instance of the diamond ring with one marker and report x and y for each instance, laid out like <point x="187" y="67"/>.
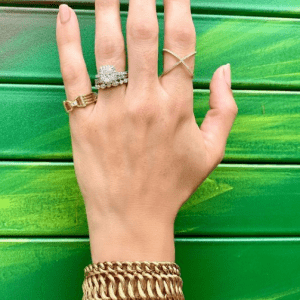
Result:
<point x="108" y="77"/>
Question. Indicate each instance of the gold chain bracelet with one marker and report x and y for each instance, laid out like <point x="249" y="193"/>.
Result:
<point x="132" y="280"/>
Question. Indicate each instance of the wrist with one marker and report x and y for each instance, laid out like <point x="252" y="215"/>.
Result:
<point x="112" y="240"/>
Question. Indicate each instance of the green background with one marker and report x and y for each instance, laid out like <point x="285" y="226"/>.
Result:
<point x="238" y="236"/>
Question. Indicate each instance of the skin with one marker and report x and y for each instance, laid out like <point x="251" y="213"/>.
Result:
<point x="138" y="151"/>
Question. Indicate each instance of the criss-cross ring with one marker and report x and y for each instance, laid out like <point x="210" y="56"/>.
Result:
<point x="181" y="60"/>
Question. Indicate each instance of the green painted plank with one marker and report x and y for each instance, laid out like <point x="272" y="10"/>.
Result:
<point x="239" y="269"/>
<point x="211" y="269"/>
<point x="43" y="269"/>
<point x="34" y="122"/>
<point x="235" y="200"/>
<point x="289" y="8"/>
<point x="263" y="52"/>
<point x="266" y="128"/>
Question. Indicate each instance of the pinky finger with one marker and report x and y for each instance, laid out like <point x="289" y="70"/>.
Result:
<point x="72" y="65"/>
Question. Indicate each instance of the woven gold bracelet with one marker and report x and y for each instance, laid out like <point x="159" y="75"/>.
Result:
<point x="132" y="280"/>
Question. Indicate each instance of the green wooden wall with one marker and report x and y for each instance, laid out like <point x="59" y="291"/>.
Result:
<point x="238" y="236"/>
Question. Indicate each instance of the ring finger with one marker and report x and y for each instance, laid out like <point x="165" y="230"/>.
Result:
<point x="180" y="38"/>
<point x="109" y="43"/>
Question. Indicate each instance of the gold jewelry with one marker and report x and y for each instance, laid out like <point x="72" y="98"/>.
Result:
<point x="181" y="60"/>
<point x="132" y="280"/>
<point x="80" y="101"/>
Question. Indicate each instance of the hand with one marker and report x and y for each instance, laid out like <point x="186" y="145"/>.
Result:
<point x="138" y="151"/>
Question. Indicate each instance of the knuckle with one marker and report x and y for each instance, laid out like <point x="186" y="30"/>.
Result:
<point x="236" y="109"/>
<point x="185" y="34"/>
<point x="106" y="47"/>
<point x="232" y="109"/>
<point x="71" y="73"/>
<point x="143" y="30"/>
<point x="100" y="4"/>
<point x="142" y="111"/>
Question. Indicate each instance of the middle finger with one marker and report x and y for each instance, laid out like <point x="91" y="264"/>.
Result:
<point x="109" y="41"/>
<point x="142" y="42"/>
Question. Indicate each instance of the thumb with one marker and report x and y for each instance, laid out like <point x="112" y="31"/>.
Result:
<point x="219" y="119"/>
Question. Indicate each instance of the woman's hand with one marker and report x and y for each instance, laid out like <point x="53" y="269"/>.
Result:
<point x="138" y="151"/>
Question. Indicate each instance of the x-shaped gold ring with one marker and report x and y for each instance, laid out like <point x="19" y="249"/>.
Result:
<point x="181" y="60"/>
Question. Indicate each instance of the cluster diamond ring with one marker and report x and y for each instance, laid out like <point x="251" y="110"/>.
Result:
<point x="108" y="76"/>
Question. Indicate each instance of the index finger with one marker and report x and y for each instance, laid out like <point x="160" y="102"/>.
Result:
<point x="73" y="68"/>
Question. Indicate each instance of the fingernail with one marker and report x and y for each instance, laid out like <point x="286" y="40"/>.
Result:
<point x="64" y="13"/>
<point x="227" y="74"/>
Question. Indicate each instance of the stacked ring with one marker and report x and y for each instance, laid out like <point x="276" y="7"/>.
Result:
<point x="80" y="101"/>
<point x="108" y="77"/>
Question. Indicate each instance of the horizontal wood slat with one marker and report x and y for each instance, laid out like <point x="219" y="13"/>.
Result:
<point x="263" y="52"/>
<point x="235" y="200"/>
<point x="34" y="124"/>
<point x="43" y="269"/>
<point x="288" y="8"/>
<point x="214" y="269"/>
<point x="265" y="129"/>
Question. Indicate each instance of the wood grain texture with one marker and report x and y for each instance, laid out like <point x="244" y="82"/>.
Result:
<point x="265" y="130"/>
<point x="263" y="52"/>
<point x="235" y="200"/>
<point x="214" y="269"/>
<point x="289" y="8"/>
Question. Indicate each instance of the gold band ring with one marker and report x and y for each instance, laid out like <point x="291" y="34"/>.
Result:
<point x="80" y="101"/>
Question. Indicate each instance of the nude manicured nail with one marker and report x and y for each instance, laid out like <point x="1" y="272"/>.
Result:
<point x="64" y="13"/>
<point x="227" y="74"/>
